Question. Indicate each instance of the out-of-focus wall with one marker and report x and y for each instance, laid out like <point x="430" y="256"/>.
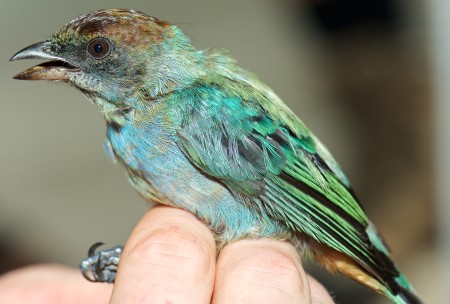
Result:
<point x="439" y="39"/>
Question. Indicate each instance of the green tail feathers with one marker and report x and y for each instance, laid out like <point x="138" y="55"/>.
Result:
<point x="399" y="291"/>
<point x="402" y="295"/>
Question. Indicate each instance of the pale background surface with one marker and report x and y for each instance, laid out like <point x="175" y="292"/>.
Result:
<point x="59" y="193"/>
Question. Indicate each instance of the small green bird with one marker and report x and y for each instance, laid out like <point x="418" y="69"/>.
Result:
<point x="197" y="132"/>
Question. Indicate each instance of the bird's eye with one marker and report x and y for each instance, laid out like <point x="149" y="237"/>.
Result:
<point x="98" y="48"/>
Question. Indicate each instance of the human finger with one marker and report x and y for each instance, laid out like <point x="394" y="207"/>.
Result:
<point x="50" y="283"/>
<point x="262" y="271"/>
<point x="319" y="295"/>
<point x="169" y="258"/>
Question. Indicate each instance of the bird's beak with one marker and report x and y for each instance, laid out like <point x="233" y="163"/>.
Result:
<point x="57" y="68"/>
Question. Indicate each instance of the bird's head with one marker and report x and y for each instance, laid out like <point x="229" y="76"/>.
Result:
<point x="115" y="56"/>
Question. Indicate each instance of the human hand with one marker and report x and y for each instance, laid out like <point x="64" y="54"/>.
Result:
<point x="171" y="258"/>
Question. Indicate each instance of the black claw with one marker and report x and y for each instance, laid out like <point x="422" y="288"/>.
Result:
<point x="93" y="248"/>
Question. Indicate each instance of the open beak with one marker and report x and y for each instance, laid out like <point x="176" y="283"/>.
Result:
<point x="57" y="68"/>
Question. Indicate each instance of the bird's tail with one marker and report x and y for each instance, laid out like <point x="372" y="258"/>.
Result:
<point x="392" y="284"/>
<point x="399" y="291"/>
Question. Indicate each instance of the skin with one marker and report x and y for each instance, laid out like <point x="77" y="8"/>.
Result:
<point x="176" y="245"/>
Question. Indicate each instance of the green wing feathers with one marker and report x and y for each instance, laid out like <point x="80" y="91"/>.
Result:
<point x="246" y="137"/>
<point x="237" y="140"/>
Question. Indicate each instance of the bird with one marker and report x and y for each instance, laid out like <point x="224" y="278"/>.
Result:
<point x="196" y="131"/>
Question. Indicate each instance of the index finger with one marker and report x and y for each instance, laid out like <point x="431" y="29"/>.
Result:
<point x="169" y="258"/>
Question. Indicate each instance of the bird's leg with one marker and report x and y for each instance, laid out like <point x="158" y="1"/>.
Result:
<point x="101" y="266"/>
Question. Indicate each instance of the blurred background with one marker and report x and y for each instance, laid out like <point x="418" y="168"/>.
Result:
<point x="371" y="79"/>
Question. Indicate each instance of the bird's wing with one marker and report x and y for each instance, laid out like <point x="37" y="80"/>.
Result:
<point x="231" y="134"/>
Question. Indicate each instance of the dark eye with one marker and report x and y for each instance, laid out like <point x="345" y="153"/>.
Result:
<point x="98" y="48"/>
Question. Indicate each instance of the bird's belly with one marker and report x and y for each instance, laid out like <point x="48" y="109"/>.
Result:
<point x="165" y="175"/>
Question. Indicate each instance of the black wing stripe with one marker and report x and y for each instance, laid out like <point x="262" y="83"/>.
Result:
<point x="326" y="202"/>
<point x="329" y="227"/>
<point x="373" y="261"/>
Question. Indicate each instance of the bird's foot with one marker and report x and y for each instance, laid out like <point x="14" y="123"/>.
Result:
<point x="101" y="266"/>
